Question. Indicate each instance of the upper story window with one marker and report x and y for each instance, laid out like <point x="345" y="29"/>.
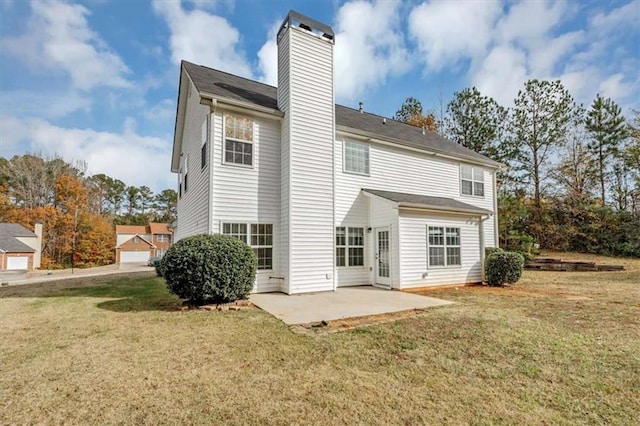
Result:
<point x="238" y="140"/>
<point x="162" y="238"/>
<point x="472" y="180"/>
<point x="356" y="157"/>
<point x="186" y="173"/>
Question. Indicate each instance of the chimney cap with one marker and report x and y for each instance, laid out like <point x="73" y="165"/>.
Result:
<point x="305" y="22"/>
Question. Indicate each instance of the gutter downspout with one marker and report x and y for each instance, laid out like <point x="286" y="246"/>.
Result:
<point x="481" y="220"/>
<point x="212" y="104"/>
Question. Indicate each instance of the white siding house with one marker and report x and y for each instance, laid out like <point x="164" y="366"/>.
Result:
<point x="326" y="195"/>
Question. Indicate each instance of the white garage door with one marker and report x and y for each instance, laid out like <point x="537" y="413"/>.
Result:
<point x="134" y="256"/>
<point x="17" y="263"/>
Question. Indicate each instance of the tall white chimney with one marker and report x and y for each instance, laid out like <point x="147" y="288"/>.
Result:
<point x="306" y="96"/>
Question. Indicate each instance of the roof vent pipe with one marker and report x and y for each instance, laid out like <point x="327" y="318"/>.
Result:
<point x="424" y="131"/>
<point x="384" y="120"/>
<point x="361" y="107"/>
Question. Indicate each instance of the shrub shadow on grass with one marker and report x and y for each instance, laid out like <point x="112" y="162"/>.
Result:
<point x="132" y="293"/>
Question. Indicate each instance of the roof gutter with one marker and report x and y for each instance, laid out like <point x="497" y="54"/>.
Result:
<point x="239" y="106"/>
<point x="411" y="206"/>
<point x="372" y="137"/>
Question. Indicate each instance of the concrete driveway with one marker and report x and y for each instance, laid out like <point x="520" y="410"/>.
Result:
<point x="346" y="302"/>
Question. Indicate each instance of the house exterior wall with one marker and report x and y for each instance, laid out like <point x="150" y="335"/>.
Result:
<point x="285" y="158"/>
<point x="413" y="241"/>
<point x="193" y="206"/>
<point x="6" y="256"/>
<point x="250" y="194"/>
<point x="309" y="109"/>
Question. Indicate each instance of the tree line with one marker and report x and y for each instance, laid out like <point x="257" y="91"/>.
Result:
<point x="78" y="211"/>
<point x="571" y="175"/>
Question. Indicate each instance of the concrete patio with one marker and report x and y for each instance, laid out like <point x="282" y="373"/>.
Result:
<point x="346" y="302"/>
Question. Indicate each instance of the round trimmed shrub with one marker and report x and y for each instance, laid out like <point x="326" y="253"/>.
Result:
<point x="488" y="251"/>
<point x="210" y="269"/>
<point x="503" y="267"/>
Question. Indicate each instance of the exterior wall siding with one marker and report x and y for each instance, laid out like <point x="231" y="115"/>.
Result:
<point x="413" y="240"/>
<point x="250" y="194"/>
<point x="193" y="206"/>
<point x="400" y="170"/>
<point x="285" y="175"/>
<point x="309" y="106"/>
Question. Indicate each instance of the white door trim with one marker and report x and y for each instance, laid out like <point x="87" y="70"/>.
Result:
<point x="382" y="257"/>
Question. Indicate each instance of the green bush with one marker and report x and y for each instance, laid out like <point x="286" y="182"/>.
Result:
<point x="210" y="269"/>
<point x="488" y="251"/>
<point x="504" y="267"/>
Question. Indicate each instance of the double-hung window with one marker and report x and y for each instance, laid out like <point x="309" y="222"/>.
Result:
<point x="444" y="246"/>
<point x="186" y="173"/>
<point x="238" y="140"/>
<point x="349" y="246"/>
<point x="356" y="157"/>
<point x="472" y="180"/>
<point x="257" y="235"/>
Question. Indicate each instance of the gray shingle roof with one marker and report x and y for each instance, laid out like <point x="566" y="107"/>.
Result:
<point x="427" y="202"/>
<point x="8" y="241"/>
<point x="229" y="86"/>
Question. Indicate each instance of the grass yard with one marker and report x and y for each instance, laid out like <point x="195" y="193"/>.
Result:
<point x="558" y="348"/>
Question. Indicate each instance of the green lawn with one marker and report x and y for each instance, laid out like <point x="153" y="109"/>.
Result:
<point x="559" y="348"/>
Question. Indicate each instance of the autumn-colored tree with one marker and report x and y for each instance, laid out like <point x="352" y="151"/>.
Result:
<point x="96" y="241"/>
<point x="411" y="112"/>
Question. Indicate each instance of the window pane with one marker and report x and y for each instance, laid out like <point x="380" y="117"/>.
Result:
<point x="466" y="172"/>
<point x="478" y="174"/>
<point x="356" y="236"/>
<point x="478" y="189"/>
<point x="436" y="256"/>
<point x="237" y="230"/>
<point x="341" y="239"/>
<point x="265" y="258"/>
<point x="467" y="187"/>
<point x="340" y="257"/>
<point x="453" y="236"/>
<point x="453" y="255"/>
<point x="356" y="157"/>
<point x="436" y="236"/>
<point x="356" y="256"/>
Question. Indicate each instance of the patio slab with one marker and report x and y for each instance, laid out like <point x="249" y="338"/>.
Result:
<point x="346" y="302"/>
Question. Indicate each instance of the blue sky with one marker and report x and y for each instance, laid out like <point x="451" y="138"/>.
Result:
<point x="96" y="80"/>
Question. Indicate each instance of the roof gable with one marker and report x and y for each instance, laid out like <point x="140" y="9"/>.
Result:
<point x="8" y="238"/>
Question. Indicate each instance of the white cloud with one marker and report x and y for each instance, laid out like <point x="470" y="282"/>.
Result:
<point x="268" y="57"/>
<point x="527" y="22"/>
<point x="48" y="104"/>
<point x="369" y="46"/>
<point x="614" y="87"/>
<point x="163" y="111"/>
<point x="502" y="74"/>
<point x="126" y="155"/>
<point x="446" y="32"/>
<point x="629" y="14"/>
<point x="202" y="37"/>
<point x="59" y="39"/>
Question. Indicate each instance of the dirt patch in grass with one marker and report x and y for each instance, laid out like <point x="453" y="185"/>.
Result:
<point x="116" y="351"/>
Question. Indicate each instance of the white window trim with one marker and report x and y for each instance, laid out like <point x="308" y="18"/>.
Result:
<point x="248" y="241"/>
<point x="165" y="238"/>
<point x="445" y="246"/>
<point x="472" y="182"/>
<point x="346" y="247"/>
<point x="344" y="157"/>
<point x="224" y="145"/>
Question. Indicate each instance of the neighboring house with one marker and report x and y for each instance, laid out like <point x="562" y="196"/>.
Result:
<point x="20" y="248"/>
<point x="137" y="244"/>
<point x="327" y="196"/>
